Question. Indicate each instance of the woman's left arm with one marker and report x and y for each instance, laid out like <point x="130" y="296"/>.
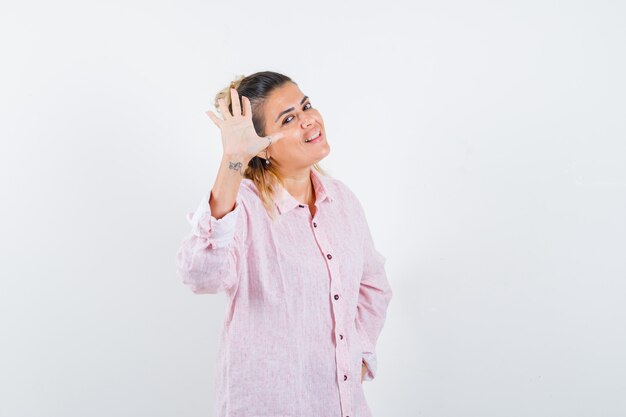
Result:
<point x="374" y="296"/>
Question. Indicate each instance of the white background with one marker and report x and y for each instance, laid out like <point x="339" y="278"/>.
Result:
<point x="486" y="141"/>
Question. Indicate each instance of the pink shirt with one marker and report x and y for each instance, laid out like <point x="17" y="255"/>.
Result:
<point x="306" y="301"/>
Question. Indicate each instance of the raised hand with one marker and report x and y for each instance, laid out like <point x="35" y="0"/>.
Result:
<point x="238" y="135"/>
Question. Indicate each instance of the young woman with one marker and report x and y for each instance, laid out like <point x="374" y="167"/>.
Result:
<point x="290" y="247"/>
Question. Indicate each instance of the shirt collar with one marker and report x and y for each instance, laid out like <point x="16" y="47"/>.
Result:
<point x="285" y="201"/>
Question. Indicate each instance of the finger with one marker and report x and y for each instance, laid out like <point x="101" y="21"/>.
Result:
<point x="214" y="118"/>
<point x="235" y="102"/>
<point x="247" y="107"/>
<point x="223" y="109"/>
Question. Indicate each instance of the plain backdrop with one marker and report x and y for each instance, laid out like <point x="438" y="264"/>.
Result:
<point x="486" y="141"/>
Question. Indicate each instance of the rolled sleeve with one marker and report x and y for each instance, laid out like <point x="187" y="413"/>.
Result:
<point x="218" y="232"/>
<point x="210" y="257"/>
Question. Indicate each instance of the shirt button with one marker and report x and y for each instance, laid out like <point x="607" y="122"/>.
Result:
<point x="301" y="206"/>
<point x="329" y="256"/>
<point x="345" y="377"/>
<point x="314" y="224"/>
<point x="336" y="296"/>
<point x="340" y="336"/>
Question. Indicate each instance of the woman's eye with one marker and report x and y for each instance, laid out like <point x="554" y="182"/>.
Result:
<point x="288" y="119"/>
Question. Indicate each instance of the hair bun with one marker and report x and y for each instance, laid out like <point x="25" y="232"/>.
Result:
<point x="237" y="81"/>
<point x="224" y="93"/>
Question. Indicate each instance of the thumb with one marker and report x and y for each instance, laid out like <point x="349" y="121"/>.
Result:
<point x="276" y="136"/>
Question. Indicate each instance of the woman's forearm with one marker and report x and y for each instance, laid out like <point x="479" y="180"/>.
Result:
<point x="224" y="192"/>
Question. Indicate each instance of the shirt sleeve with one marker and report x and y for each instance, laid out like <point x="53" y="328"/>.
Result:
<point x="209" y="256"/>
<point x="374" y="296"/>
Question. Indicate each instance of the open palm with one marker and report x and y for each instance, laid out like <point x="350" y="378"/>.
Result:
<point x="238" y="134"/>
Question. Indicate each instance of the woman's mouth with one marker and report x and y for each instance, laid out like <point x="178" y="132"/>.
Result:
<point x="315" y="138"/>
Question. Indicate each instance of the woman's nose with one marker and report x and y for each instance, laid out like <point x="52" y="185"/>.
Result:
<point x="307" y="122"/>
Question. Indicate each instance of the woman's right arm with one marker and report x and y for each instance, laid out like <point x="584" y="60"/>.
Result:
<point x="208" y="258"/>
<point x="224" y="193"/>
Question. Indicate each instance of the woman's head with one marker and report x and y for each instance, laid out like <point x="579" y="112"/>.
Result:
<point x="289" y="111"/>
<point x="278" y="105"/>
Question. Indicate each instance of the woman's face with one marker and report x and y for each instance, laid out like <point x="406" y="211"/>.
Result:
<point x="289" y="111"/>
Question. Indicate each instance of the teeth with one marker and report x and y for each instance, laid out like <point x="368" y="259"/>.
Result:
<point x="311" y="138"/>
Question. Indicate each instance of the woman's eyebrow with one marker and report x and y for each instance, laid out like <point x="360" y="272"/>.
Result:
<point x="290" y="109"/>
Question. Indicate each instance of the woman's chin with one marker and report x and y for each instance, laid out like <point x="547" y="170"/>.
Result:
<point x="325" y="153"/>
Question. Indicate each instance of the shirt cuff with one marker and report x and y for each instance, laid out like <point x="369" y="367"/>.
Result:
<point x="369" y="359"/>
<point x="219" y="231"/>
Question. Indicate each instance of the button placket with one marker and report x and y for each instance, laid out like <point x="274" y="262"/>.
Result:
<point x="341" y="352"/>
<point x="341" y="349"/>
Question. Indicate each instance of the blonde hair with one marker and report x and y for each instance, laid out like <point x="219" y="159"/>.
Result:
<point x="257" y="87"/>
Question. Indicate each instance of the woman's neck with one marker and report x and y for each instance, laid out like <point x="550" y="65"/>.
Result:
<point x="300" y="186"/>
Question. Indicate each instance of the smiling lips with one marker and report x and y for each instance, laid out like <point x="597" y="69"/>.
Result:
<point x="314" y="138"/>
